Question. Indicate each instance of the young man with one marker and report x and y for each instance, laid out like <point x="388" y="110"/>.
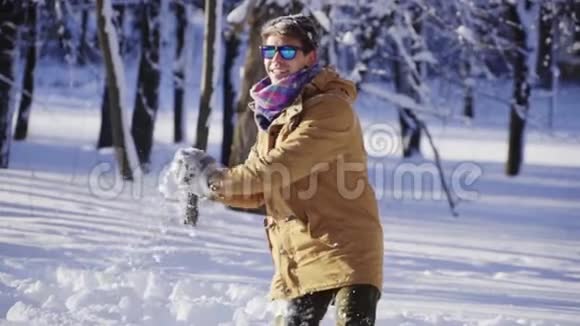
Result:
<point x="308" y="167"/>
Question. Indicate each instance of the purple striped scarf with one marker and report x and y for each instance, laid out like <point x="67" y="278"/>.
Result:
<point x="272" y="99"/>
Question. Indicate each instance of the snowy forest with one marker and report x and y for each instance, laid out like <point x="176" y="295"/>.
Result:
<point x="471" y="125"/>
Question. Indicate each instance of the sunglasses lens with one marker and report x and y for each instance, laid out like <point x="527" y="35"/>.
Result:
<point x="268" y="52"/>
<point x="287" y="52"/>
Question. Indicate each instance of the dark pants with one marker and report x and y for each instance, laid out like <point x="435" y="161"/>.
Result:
<point x="355" y="305"/>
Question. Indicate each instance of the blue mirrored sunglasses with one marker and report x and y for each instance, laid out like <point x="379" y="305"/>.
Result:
<point x="287" y="52"/>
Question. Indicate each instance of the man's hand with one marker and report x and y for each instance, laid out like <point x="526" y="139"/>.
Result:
<point x="192" y="168"/>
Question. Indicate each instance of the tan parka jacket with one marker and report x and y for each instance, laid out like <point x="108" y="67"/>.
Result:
<point x="310" y="170"/>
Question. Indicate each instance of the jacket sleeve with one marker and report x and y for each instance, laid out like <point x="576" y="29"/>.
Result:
<point x="243" y="200"/>
<point x="320" y="137"/>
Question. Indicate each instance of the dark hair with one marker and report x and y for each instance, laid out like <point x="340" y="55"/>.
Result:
<point x="299" y="26"/>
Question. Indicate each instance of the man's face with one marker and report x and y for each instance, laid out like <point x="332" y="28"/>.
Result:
<point x="277" y="67"/>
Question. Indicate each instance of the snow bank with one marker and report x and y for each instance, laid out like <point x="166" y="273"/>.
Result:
<point x="141" y="297"/>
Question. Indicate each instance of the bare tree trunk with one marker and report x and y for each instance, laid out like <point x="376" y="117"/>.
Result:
<point x="468" y="109"/>
<point x="545" y="44"/>
<point x="232" y="45"/>
<point x="82" y="49"/>
<point x="202" y="132"/>
<point x="28" y="81"/>
<point x="410" y="125"/>
<point x="120" y="11"/>
<point x="59" y="9"/>
<point x="105" y="132"/>
<point x="110" y="47"/>
<point x="465" y="73"/>
<point x="245" y="130"/>
<point x="179" y="73"/>
<point x="147" y="97"/>
<point x="207" y="74"/>
<point x="521" y="93"/>
<point x="407" y="77"/>
<point x="410" y="131"/>
<point x="576" y="10"/>
<point x="10" y="19"/>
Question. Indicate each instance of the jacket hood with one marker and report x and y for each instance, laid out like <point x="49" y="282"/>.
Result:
<point x="328" y="81"/>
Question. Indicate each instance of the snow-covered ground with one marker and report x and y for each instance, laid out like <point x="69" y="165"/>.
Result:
<point x="79" y="248"/>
